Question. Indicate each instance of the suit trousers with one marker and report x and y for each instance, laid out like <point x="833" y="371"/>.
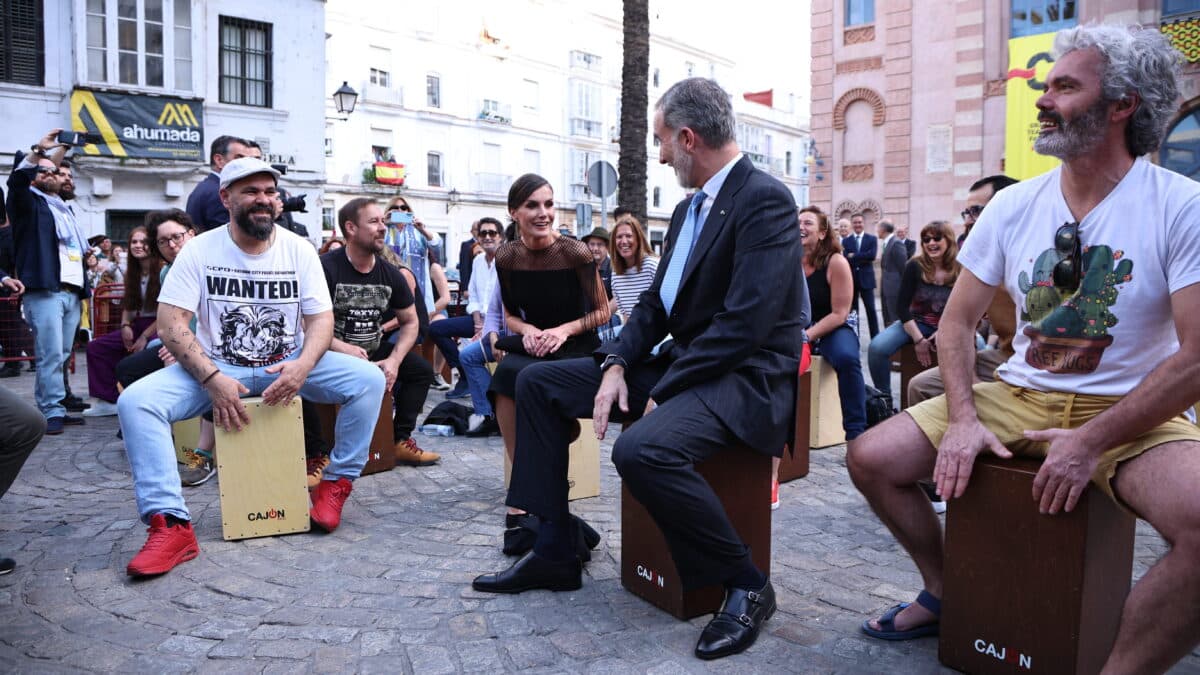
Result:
<point x="656" y="458"/>
<point x="867" y="295"/>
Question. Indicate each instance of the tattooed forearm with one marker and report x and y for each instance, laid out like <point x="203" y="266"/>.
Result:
<point x="183" y="344"/>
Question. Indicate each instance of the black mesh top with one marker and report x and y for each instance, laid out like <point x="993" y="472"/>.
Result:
<point x="552" y="286"/>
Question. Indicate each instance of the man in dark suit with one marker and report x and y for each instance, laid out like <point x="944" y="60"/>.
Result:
<point x="891" y="263"/>
<point x="204" y="204"/>
<point x="909" y="245"/>
<point x="735" y="304"/>
<point x="861" y="248"/>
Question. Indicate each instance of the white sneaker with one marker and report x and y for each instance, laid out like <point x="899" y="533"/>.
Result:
<point x="474" y="420"/>
<point x="439" y="383"/>
<point x="100" y="408"/>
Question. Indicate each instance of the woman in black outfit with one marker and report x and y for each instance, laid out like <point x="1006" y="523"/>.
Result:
<point x="552" y="295"/>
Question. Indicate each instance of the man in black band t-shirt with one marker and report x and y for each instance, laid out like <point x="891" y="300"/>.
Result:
<point x="365" y="289"/>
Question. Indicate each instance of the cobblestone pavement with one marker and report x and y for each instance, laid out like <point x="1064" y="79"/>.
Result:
<point x="390" y="592"/>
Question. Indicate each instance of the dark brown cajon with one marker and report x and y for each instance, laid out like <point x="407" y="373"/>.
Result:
<point x="1029" y="593"/>
<point x="742" y="480"/>
<point x="794" y="463"/>
<point x="381" y="456"/>
<point x="910" y="367"/>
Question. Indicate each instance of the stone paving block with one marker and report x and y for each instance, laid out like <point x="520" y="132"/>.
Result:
<point x="479" y="656"/>
<point x="530" y="652"/>
<point x="186" y="645"/>
<point x="431" y="660"/>
<point x="283" y="649"/>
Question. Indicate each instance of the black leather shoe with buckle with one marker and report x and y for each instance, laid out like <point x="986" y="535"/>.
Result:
<point x="735" y="626"/>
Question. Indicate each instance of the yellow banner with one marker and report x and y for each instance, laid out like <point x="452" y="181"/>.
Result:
<point x="1028" y="64"/>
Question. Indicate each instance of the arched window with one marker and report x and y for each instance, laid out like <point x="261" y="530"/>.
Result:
<point x="1181" y="151"/>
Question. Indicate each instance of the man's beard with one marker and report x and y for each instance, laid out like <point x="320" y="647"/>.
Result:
<point x="248" y="225"/>
<point x="67" y="193"/>
<point x="682" y="164"/>
<point x="1075" y="137"/>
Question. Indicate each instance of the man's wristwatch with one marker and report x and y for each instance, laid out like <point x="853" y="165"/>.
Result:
<point x="610" y="361"/>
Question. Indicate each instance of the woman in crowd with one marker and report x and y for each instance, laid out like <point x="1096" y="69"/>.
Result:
<point x="633" y="264"/>
<point x="333" y="243"/>
<point x="924" y="289"/>
<point x="139" y="307"/>
<point x="92" y="268"/>
<point x="833" y="334"/>
<point x="553" y="303"/>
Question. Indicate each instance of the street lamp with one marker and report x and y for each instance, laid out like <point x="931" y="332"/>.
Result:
<point x="453" y="199"/>
<point x="345" y="98"/>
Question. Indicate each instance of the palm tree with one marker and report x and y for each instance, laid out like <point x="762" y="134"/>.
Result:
<point x="631" y="167"/>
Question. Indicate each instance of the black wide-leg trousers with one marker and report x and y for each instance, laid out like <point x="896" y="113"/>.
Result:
<point x="656" y="458"/>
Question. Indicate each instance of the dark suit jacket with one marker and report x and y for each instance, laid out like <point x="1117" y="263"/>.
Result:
<point x="911" y="245"/>
<point x="891" y="263"/>
<point x="204" y="205"/>
<point x="35" y="236"/>
<point x="739" y="313"/>
<point x="862" y="263"/>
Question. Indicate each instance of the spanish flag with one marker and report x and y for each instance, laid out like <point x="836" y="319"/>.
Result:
<point x="390" y="173"/>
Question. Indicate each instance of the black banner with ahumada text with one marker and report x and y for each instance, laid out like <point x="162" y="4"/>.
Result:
<point x="139" y="125"/>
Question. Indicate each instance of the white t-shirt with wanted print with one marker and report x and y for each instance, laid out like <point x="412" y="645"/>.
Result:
<point x="1140" y="245"/>
<point x="249" y="308"/>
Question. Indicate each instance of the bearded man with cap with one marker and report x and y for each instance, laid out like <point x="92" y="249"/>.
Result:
<point x="246" y="278"/>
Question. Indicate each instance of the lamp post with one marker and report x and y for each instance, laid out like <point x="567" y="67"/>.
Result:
<point x="453" y="199"/>
<point x="344" y="100"/>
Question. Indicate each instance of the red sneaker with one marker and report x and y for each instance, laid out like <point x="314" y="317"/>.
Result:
<point x="328" y="500"/>
<point x="774" y="495"/>
<point x="166" y="547"/>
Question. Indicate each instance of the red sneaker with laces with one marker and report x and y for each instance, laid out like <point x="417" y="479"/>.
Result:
<point x="166" y="547"/>
<point x="774" y="495"/>
<point x="327" y="502"/>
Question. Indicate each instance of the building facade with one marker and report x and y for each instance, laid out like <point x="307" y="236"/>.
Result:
<point x="912" y="102"/>
<point x="158" y="80"/>
<point x="468" y="96"/>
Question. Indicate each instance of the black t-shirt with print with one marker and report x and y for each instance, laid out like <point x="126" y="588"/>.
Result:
<point x="363" y="302"/>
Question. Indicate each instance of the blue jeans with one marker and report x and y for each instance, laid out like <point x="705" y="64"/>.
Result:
<point x="53" y="315"/>
<point x="150" y="405"/>
<point x="840" y="349"/>
<point x="472" y="360"/>
<point x="443" y="333"/>
<point x="880" y="351"/>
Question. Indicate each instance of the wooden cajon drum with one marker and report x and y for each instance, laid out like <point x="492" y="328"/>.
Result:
<point x="186" y="436"/>
<point x="381" y="455"/>
<point x="741" y="478"/>
<point x="910" y="367"/>
<point x="1031" y="593"/>
<point x="261" y="471"/>
<point x="583" y="465"/>
<point x="825" y="411"/>
<point x="794" y="463"/>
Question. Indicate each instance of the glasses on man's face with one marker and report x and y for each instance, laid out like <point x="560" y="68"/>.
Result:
<point x="484" y="234"/>
<point x="926" y="238"/>
<point x="972" y="212"/>
<point x="1068" y="272"/>
<point x="171" y="240"/>
<point x="46" y="169"/>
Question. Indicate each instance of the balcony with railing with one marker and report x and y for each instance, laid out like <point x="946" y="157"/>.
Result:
<point x="772" y="165"/>
<point x="495" y="112"/>
<point x="492" y="183"/>
<point x="585" y="61"/>
<point x="586" y="127"/>
<point x="374" y="93"/>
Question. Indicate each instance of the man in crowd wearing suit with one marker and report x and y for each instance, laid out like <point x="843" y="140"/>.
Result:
<point x="861" y="248"/>
<point x="910" y="246"/>
<point x="727" y="378"/>
<point x="891" y="262"/>
<point x="204" y="205"/>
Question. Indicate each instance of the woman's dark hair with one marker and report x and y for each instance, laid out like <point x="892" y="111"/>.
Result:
<point x="641" y="248"/>
<point x="510" y="232"/>
<point x="523" y="187"/>
<point x="824" y="248"/>
<point x="134" y="269"/>
<point x="156" y="218"/>
<point x="329" y="244"/>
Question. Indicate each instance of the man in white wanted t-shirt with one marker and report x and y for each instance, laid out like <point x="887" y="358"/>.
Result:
<point x="264" y="324"/>
<point x="1102" y="258"/>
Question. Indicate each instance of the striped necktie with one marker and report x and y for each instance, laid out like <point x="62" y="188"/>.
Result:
<point x="680" y="252"/>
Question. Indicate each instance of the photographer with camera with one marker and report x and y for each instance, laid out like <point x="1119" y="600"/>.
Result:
<point x="48" y="247"/>
<point x="285" y="203"/>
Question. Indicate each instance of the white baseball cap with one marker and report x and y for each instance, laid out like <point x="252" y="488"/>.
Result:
<point x="245" y="166"/>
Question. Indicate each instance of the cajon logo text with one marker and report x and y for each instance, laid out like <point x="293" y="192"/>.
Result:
<point x="651" y="576"/>
<point x="1017" y="659"/>
<point x="272" y="514"/>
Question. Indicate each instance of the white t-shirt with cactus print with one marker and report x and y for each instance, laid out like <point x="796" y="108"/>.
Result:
<point x="1139" y="245"/>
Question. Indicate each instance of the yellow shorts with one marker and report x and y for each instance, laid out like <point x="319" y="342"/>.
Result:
<point x="1009" y="411"/>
